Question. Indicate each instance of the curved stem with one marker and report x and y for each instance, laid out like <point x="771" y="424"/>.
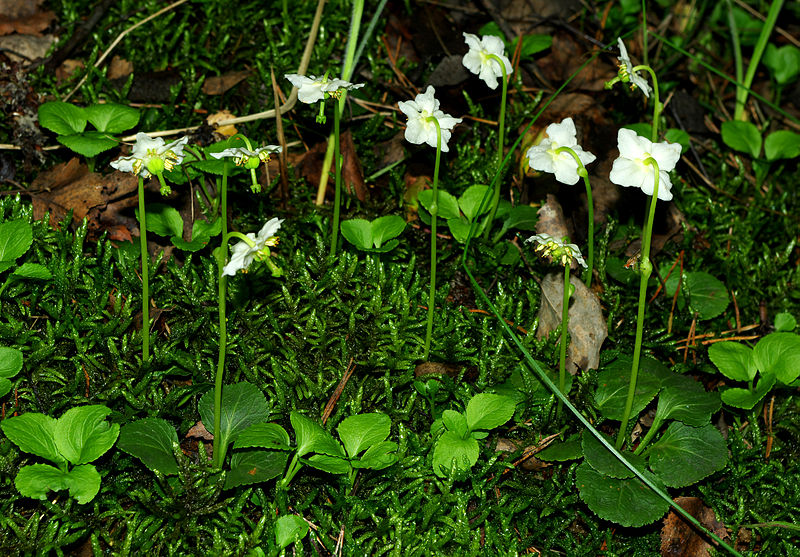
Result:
<point x="500" y="140"/>
<point x="645" y="269"/>
<point x="222" y="253"/>
<point x="656" y="102"/>
<point x="434" y="212"/>
<point x="337" y="165"/>
<point x="562" y="359"/>
<point x="582" y="172"/>
<point x="145" y="275"/>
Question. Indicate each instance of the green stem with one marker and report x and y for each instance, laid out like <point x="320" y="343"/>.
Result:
<point x="583" y="173"/>
<point x="219" y="452"/>
<point x="737" y="58"/>
<point x="562" y="359"/>
<point x="145" y="275"/>
<point x="654" y="427"/>
<point x="656" y="102"/>
<point x="500" y="144"/>
<point x="434" y="212"/>
<point x="645" y="269"/>
<point x="337" y="165"/>
<point x="758" y="51"/>
<point x="644" y="31"/>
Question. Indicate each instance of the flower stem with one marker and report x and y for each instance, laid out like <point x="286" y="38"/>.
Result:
<point x="500" y="147"/>
<point x="562" y="359"/>
<point x="434" y="212"/>
<point x="337" y="165"/>
<point x="145" y="275"/>
<point x="645" y="269"/>
<point x="657" y="107"/>
<point x="582" y="172"/>
<point x="221" y="254"/>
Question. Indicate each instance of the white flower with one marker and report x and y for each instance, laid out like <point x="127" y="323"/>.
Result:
<point x="242" y="155"/>
<point x="545" y="158"/>
<point x="244" y="254"/>
<point x="630" y="169"/>
<point x="477" y="60"/>
<point x="557" y="249"/>
<point x="311" y="89"/>
<point x="420" y="112"/>
<point x="626" y="72"/>
<point x="151" y="156"/>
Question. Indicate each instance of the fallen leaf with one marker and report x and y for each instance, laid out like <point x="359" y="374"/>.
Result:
<point x="221" y="116"/>
<point x="551" y="221"/>
<point x="26" y="47"/>
<point x="587" y="326"/>
<point x="216" y="85"/>
<point x="67" y="69"/>
<point x="310" y="166"/>
<point x="565" y="57"/>
<point x="679" y="539"/>
<point x="199" y="431"/>
<point x="119" y="67"/>
<point x="24" y="17"/>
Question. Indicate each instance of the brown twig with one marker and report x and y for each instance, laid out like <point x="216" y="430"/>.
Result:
<point x="338" y="392"/>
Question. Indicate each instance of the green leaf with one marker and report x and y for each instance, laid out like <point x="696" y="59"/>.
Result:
<point x="532" y="44"/>
<point x="686" y="400"/>
<point x="385" y="228"/>
<point x="83" y="483"/>
<point x="62" y="118"/>
<point x="16" y="237"/>
<point x="642" y="129"/>
<point x="243" y="404"/>
<point x="782" y="144"/>
<point x="785" y="322"/>
<point x="254" y="466"/>
<point x="779" y="354"/>
<point x="450" y="448"/>
<point x="733" y="360"/>
<point x="37" y="480"/>
<point x="151" y="440"/>
<point x="625" y="501"/>
<point x="675" y="135"/>
<point x="685" y="455"/>
<point x="163" y="220"/>
<point x="470" y="202"/>
<point x="448" y="205"/>
<point x="5" y="386"/>
<point x="745" y="398"/>
<point x="83" y="435"/>
<point x="33" y="433"/>
<point x="202" y="232"/>
<point x="329" y="464"/>
<point x="111" y="117"/>
<point x="378" y="456"/>
<point x="10" y="361"/>
<point x="361" y="431"/>
<point x="613" y="383"/>
<point x="288" y="529"/>
<point x="358" y="232"/>
<point x="521" y="217"/>
<point x="742" y="136"/>
<point x="488" y="411"/>
<point x="267" y="436"/>
<point x="32" y="271"/>
<point x="460" y="227"/>
<point x="89" y="144"/>
<point x="783" y="62"/>
<point x="455" y="422"/>
<point x="708" y="297"/>
<point x="312" y="438"/>
<point x="571" y="449"/>
<point x="604" y="461"/>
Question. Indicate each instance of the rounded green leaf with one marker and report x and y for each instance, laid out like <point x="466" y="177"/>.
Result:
<point x="745" y="398"/>
<point x="448" y="205"/>
<point x="450" y="448"/>
<point x="62" y="118"/>
<point x="708" y="297"/>
<point x="312" y="438"/>
<point x="625" y="501"/>
<point x="151" y="441"/>
<point x="164" y="220"/>
<point x="243" y="404"/>
<point x="378" y="456"/>
<point x="254" y="466"/>
<point x="358" y="232"/>
<point x="686" y="400"/>
<point x="604" y="461"/>
<point x="488" y="411"/>
<point x="613" y="383"/>
<point x="470" y="201"/>
<point x="88" y="144"/>
<point x="267" y="436"/>
<point x="289" y="529"/>
<point x="33" y="433"/>
<point x="571" y="449"/>
<point x="5" y="386"/>
<point x="733" y="360"/>
<point x="82" y="434"/>
<point x="10" y="361"/>
<point x="358" y="433"/>
<point x="32" y="271"/>
<point x="778" y="354"/>
<point x="685" y="455"/>
<point x="675" y="135"/>
<point x="785" y="322"/>
<point x="742" y="136"/>
<point x="16" y="237"/>
<point x="37" y="480"/>
<point x="111" y="117"/>
<point x="385" y="228"/>
<point x="783" y="62"/>
<point x="83" y="483"/>
<point x="329" y="464"/>
<point x="782" y="144"/>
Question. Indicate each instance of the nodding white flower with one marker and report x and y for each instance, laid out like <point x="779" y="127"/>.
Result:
<point x="311" y="89"/>
<point x="630" y="168"/>
<point x="151" y="156"/>
<point x="247" y="158"/>
<point x="244" y="254"/>
<point x="626" y="73"/>
<point x="477" y="60"/>
<point x="421" y="112"/>
<point x="545" y="158"/>
<point x="557" y="249"/>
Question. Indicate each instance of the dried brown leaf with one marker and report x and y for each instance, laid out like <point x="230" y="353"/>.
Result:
<point x="217" y="85"/>
<point x="679" y="539"/>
